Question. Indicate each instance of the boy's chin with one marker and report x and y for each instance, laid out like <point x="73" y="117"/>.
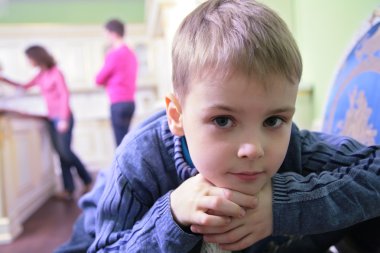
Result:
<point x="246" y="188"/>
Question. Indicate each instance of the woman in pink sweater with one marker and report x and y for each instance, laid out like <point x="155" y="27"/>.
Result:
<point x="118" y="75"/>
<point x="53" y="87"/>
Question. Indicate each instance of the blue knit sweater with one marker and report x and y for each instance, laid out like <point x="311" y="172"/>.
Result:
<point x="325" y="183"/>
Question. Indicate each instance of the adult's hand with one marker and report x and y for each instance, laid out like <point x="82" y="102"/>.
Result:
<point x="2" y="78"/>
<point x="62" y="126"/>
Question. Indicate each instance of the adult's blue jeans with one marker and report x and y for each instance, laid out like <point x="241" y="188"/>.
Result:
<point x="68" y="159"/>
<point x="121" y="116"/>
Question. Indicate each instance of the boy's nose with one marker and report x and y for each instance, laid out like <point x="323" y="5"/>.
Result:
<point x="250" y="151"/>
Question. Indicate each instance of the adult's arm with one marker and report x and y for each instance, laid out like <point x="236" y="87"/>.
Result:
<point x="28" y="85"/>
<point x="107" y="69"/>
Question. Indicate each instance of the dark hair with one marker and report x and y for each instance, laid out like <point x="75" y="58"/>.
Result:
<point x="116" y="26"/>
<point x="40" y="56"/>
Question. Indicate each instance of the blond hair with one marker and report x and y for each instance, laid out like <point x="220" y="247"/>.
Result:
<point x="223" y="36"/>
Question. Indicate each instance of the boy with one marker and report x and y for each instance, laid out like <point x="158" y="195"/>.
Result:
<point x="119" y="75"/>
<point x="206" y="169"/>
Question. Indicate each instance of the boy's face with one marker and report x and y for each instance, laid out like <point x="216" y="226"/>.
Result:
<point x="237" y="130"/>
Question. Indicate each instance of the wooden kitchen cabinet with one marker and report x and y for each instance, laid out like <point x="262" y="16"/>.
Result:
<point x="27" y="177"/>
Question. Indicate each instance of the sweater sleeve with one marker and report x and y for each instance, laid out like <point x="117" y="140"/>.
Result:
<point x="107" y="70"/>
<point x="339" y="186"/>
<point x="134" y="214"/>
<point x="125" y="224"/>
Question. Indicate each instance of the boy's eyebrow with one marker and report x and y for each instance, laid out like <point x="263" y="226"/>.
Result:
<point x="222" y="107"/>
<point x="283" y="109"/>
<point x="274" y="111"/>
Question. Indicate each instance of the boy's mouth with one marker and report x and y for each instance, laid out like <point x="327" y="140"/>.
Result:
<point x="247" y="176"/>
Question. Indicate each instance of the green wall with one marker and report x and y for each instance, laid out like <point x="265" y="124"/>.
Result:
<point x="71" y="11"/>
<point x="285" y="8"/>
<point x="324" y="30"/>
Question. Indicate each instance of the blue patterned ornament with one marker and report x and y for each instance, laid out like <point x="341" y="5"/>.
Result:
<point x="354" y="105"/>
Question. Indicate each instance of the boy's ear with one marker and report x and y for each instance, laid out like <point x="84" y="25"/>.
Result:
<point x="174" y="115"/>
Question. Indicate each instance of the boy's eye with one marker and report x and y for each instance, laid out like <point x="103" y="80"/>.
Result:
<point x="273" y="122"/>
<point x="223" y="122"/>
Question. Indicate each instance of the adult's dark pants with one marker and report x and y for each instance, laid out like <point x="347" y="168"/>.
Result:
<point x="68" y="159"/>
<point x="121" y="116"/>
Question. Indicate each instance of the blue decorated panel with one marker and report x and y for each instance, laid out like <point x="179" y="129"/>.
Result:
<point x="353" y="108"/>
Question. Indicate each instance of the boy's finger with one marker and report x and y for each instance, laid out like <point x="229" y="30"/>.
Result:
<point x="241" y="199"/>
<point x="221" y="206"/>
<point x="205" y="219"/>
<point x="241" y="244"/>
<point x="210" y="230"/>
<point x="230" y="236"/>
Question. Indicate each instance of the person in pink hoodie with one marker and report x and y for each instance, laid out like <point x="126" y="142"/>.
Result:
<point x="118" y="75"/>
<point x="53" y="87"/>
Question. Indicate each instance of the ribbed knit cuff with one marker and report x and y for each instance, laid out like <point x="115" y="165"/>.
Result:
<point x="171" y="231"/>
<point x="285" y="213"/>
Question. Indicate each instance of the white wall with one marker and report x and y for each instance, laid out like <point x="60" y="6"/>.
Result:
<point x="79" y="52"/>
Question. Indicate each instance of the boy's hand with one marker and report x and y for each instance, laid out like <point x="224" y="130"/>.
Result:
<point x="242" y="232"/>
<point x="196" y="199"/>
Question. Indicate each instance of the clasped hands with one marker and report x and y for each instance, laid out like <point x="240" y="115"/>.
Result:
<point x="231" y="219"/>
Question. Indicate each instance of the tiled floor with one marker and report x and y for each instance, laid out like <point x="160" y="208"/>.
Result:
<point x="49" y="227"/>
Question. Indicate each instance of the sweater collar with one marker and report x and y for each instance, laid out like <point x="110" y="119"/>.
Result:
<point x="177" y="148"/>
<point x="183" y="163"/>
